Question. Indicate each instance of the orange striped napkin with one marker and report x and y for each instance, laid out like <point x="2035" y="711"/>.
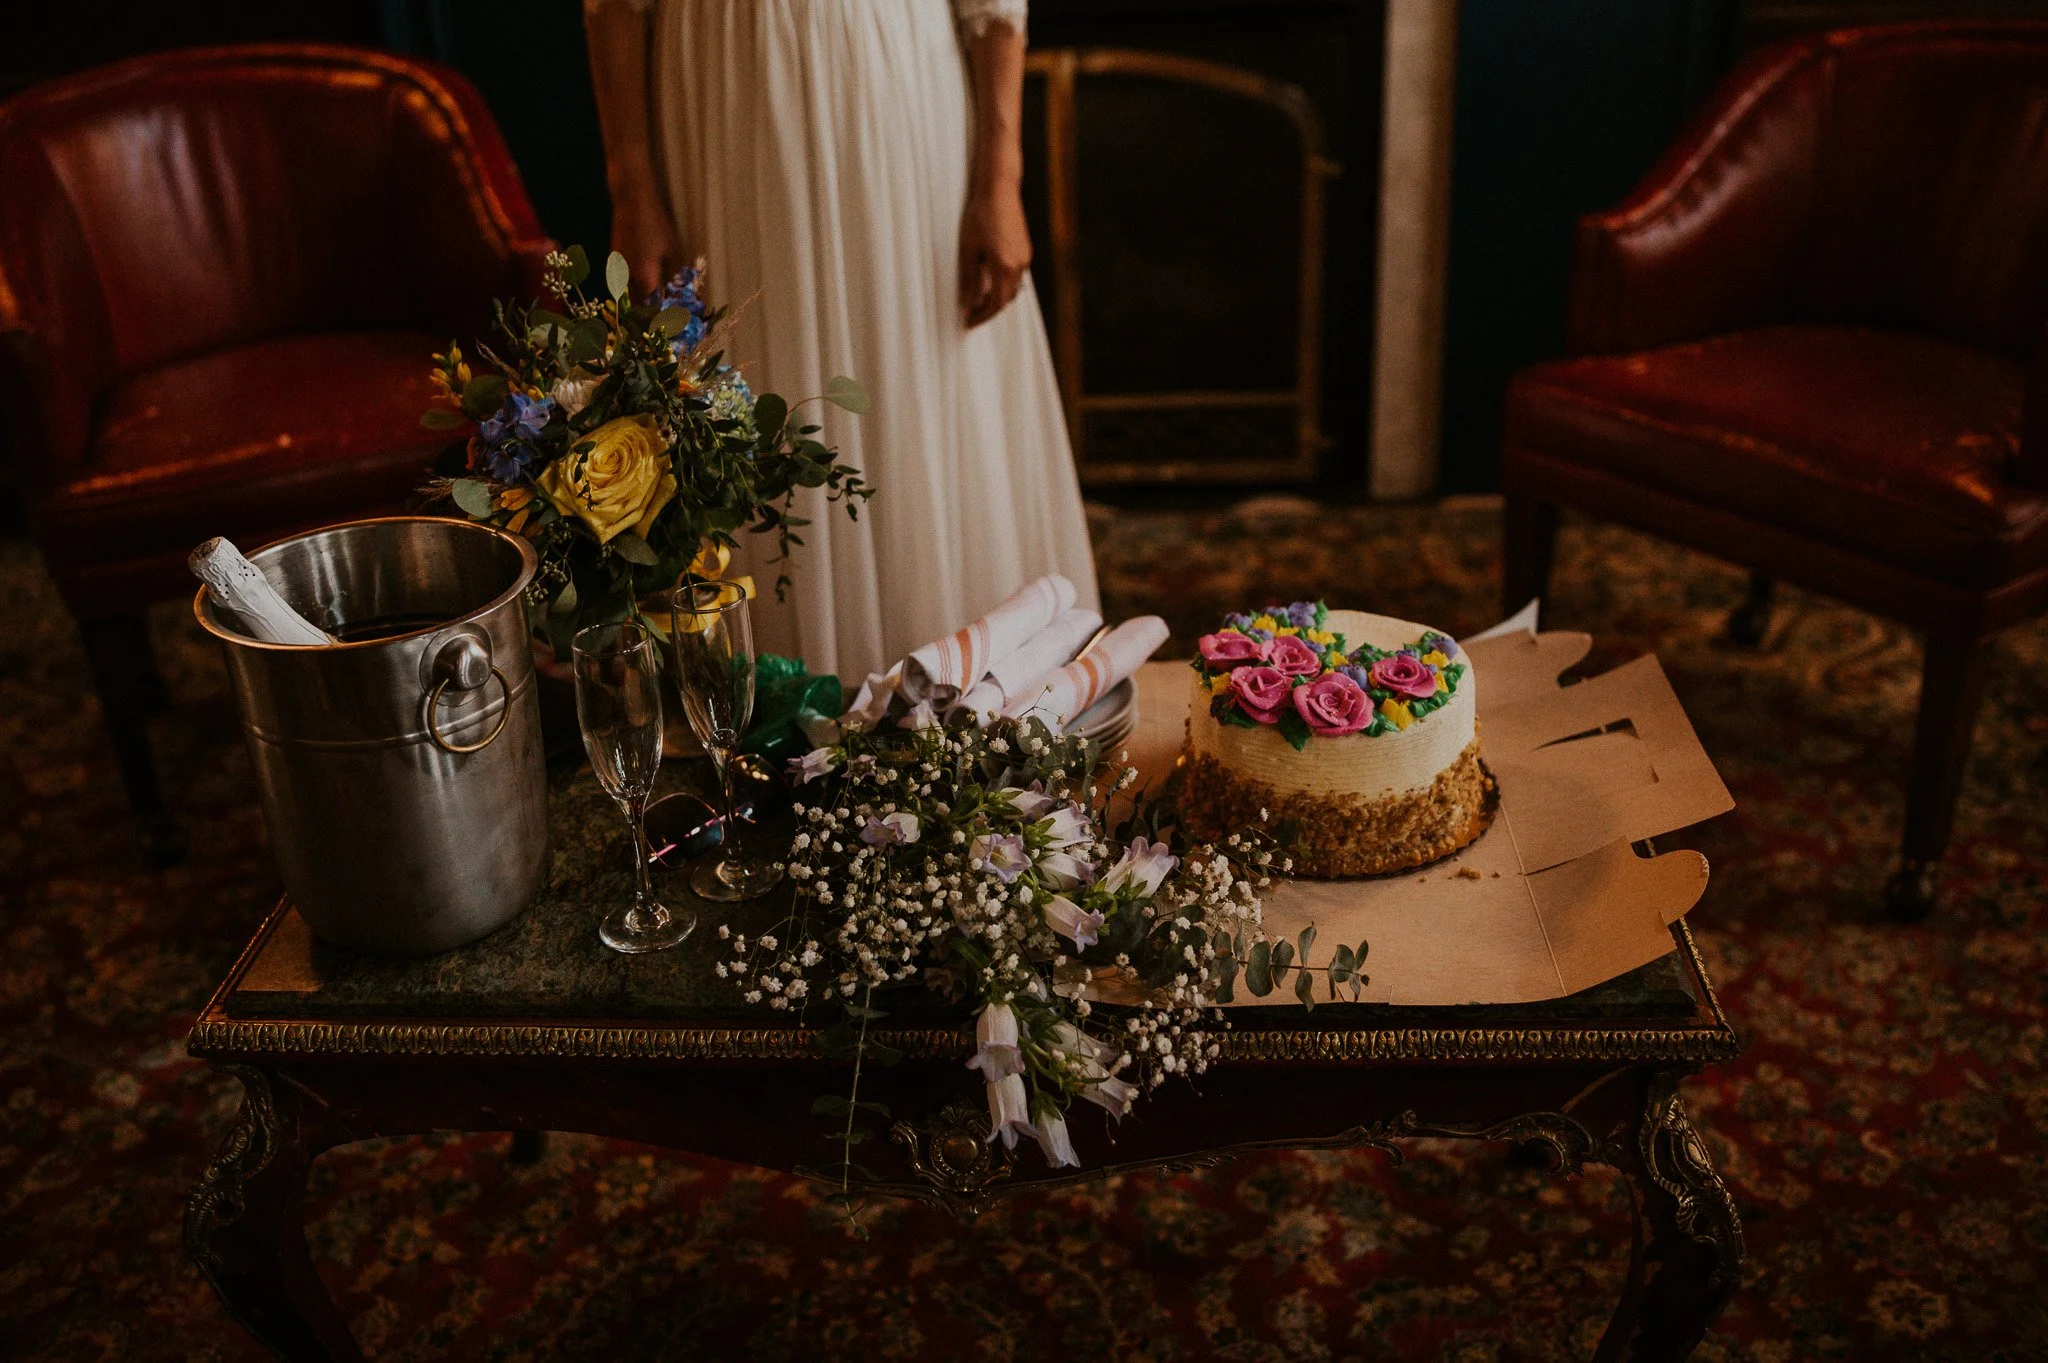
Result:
<point x="945" y="669"/>
<point x="1024" y="673"/>
<point x="1084" y="681"/>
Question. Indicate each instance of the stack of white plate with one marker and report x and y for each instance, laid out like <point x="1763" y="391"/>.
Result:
<point x="1112" y="719"/>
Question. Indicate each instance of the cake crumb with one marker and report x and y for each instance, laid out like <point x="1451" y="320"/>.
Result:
<point x="1496" y="875"/>
<point x="1467" y="873"/>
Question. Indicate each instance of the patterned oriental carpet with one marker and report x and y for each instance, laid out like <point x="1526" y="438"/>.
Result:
<point x="1882" y="1133"/>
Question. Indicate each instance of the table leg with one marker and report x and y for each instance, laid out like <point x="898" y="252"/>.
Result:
<point x="1687" y="1258"/>
<point x="242" y="1224"/>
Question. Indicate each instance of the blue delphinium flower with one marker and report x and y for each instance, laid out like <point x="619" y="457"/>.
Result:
<point x="507" y="435"/>
<point x="681" y="292"/>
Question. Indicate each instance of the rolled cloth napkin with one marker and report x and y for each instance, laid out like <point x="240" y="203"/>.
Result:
<point x="945" y="669"/>
<point x="1023" y="674"/>
<point x="1084" y="681"/>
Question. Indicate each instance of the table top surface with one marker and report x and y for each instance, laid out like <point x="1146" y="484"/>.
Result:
<point x="544" y="986"/>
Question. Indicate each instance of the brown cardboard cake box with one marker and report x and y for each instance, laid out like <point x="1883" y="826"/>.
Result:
<point x="1553" y="898"/>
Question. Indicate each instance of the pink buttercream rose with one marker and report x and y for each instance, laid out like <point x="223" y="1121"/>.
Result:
<point x="1261" y="692"/>
<point x="1294" y="657"/>
<point x="1333" y="705"/>
<point x="1405" y="675"/>
<point x="1227" y="649"/>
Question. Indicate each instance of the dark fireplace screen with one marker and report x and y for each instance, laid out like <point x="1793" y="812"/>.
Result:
<point x="1178" y="209"/>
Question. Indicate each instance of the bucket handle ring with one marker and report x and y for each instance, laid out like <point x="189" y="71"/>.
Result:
<point x="433" y="731"/>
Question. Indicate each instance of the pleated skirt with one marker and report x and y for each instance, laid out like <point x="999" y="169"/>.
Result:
<point x="816" y="154"/>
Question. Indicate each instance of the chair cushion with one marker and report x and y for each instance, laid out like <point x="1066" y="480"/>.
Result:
<point x="1886" y="443"/>
<point x="252" y="443"/>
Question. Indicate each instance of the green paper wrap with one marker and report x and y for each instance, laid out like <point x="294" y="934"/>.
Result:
<point x="786" y="695"/>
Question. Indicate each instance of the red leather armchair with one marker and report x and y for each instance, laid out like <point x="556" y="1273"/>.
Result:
<point x="1807" y="343"/>
<point x="222" y="272"/>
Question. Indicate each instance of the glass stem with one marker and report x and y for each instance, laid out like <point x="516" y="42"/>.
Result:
<point x="732" y="823"/>
<point x="643" y="891"/>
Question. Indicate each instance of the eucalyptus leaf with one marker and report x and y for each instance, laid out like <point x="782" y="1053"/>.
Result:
<point x="672" y="322"/>
<point x="617" y="274"/>
<point x="1283" y="961"/>
<point x="828" y="1105"/>
<point x="442" y="419"/>
<point x="565" y="600"/>
<point x="483" y="395"/>
<point x="770" y="412"/>
<point x="579" y="266"/>
<point x="633" y="549"/>
<point x="844" y="393"/>
<point x="1226" y="983"/>
<point x="473" y="497"/>
<point x="1305" y="941"/>
<point x="1258" y="970"/>
<point x="1305" y="990"/>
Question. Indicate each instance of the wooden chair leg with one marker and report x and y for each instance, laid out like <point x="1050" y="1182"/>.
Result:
<point x="1951" y="689"/>
<point x="1528" y="541"/>
<point x="117" y="652"/>
<point x="1750" y="621"/>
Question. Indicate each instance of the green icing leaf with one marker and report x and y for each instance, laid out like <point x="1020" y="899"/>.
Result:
<point x="1294" y="729"/>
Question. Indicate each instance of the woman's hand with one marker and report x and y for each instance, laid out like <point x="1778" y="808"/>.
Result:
<point x="641" y="232"/>
<point x="995" y="251"/>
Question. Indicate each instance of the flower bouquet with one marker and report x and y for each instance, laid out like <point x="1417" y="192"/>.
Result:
<point x="1282" y="667"/>
<point x="1091" y="952"/>
<point x="612" y="434"/>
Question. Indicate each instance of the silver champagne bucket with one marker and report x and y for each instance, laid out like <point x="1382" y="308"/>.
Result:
<point x="401" y="771"/>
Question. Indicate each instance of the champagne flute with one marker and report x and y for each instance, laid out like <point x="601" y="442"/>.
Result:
<point x="713" y="639"/>
<point x="618" y="707"/>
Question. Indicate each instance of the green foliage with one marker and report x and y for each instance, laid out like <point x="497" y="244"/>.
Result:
<point x="473" y="497"/>
<point x="845" y="393"/>
<point x="617" y="275"/>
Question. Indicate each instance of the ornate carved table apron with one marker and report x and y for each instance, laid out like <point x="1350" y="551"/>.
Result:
<point x="537" y="1028"/>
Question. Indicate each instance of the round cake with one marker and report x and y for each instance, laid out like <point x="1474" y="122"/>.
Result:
<point x="1351" y="735"/>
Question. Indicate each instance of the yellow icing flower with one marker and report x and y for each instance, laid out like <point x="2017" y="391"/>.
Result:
<point x="1435" y="658"/>
<point x="1264" y="622"/>
<point x="618" y="478"/>
<point x="1320" y="636"/>
<point x="1219" y="683"/>
<point x="1285" y="630"/>
<point x="1397" y="712"/>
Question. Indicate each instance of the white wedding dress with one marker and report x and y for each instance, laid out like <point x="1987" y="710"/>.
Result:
<point x="816" y="154"/>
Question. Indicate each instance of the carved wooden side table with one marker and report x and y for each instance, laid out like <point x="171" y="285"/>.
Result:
<point x="504" y="1037"/>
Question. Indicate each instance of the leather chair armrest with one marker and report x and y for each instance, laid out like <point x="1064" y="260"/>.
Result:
<point x="1708" y="241"/>
<point x="474" y="233"/>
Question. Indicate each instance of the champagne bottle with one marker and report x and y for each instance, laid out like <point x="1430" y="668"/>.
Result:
<point x="240" y="590"/>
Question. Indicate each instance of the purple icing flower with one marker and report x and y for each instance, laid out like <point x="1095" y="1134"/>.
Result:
<point x="1356" y="673"/>
<point x="1301" y="615"/>
<point x="1229" y="648"/>
<point x="1293" y="657"/>
<point x="1261" y="692"/>
<point x="1333" y="705"/>
<point x="1405" y="675"/>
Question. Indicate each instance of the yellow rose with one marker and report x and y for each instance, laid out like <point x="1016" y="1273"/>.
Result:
<point x="617" y="479"/>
